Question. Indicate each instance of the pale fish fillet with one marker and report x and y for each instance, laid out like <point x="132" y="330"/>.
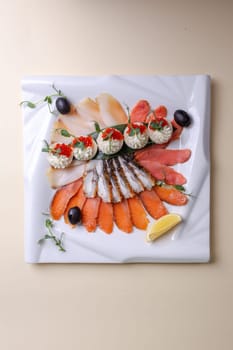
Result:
<point x="61" y="177"/>
<point x="104" y="185"/>
<point x="89" y="110"/>
<point x="56" y="136"/>
<point x="76" y="125"/>
<point x="90" y="179"/>
<point x="134" y="183"/>
<point x="116" y="194"/>
<point x="111" y="110"/>
<point x="145" y="178"/>
<point x="122" y="181"/>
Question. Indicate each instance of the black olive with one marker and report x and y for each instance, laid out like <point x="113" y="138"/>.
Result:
<point x="182" y="118"/>
<point x="74" y="215"/>
<point x="63" y="105"/>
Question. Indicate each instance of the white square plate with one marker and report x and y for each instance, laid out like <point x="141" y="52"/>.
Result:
<point x="189" y="241"/>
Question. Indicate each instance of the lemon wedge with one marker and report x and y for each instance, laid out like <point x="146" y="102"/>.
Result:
<point x="162" y="225"/>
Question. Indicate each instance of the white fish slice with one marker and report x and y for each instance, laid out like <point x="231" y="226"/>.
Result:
<point x="111" y="110"/>
<point x="145" y="178"/>
<point x="116" y="194"/>
<point x="104" y="185"/>
<point x="134" y="183"/>
<point x="124" y="187"/>
<point x="88" y="109"/>
<point x="60" y="177"/>
<point x="90" y="179"/>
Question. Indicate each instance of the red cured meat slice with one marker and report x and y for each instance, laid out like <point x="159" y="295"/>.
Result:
<point x="163" y="173"/>
<point x="140" y="111"/>
<point x="163" y="156"/>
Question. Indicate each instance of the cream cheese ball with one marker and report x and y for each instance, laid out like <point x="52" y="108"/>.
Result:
<point x="110" y="141"/>
<point x="84" y="148"/>
<point x="60" y="155"/>
<point x="136" y="135"/>
<point x="160" y="130"/>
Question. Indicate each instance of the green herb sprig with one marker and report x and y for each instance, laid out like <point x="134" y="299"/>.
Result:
<point x="48" y="149"/>
<point x="48" y="99"/>
<point x="177" y="187"/>
<point x="156" y="125"/>
<point x="50" y="235"/>
<point x="65" y="132"/>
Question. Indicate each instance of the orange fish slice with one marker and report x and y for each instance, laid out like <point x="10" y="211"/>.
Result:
<point x="122" y="216"/>
<point x="77" y="201"/>
<point x="138" y="213"/>
<point x="171" y="195"/>
<point x="105" y="217"/>
<point x="62" y="197"/>
<point x="153" y="204"/>
<point x="90" y="213"/>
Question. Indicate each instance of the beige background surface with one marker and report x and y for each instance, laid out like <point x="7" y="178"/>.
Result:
<point x="115" y="307"/>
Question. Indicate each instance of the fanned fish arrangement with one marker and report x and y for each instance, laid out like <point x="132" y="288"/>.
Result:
<point x="112" y="165"/>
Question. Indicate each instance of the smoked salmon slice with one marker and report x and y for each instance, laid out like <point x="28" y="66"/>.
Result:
<point x="62" y="197"/>
<point x="163" y="173"/>
<point x="105" y="217"/>
<point x="122" y="216"/>
<point x="153" y="204"/>
<point x="77" y="200"/>
<point x="90" y="213"/>
<point x="163" y="156"/>
<point x="140" y="111"/>
<point x="138" y="214"/>
<point x="177" y="131"/>
<point x="171" y="195"/>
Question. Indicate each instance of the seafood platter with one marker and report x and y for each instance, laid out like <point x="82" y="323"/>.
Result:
<point x="116" y="169"/>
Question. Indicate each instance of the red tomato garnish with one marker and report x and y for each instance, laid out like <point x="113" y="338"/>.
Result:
<point x="113" y="134"/>
<point x="141" y="127"/>
<point x="63" y="149"/>
<point x="87" y="141"/>
<point x="161" y="112"/>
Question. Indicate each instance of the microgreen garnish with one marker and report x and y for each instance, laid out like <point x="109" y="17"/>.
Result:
<point x="156" y="125"/>
<point x="46" y="148"/>
<point x="180" y="188"/>
<point x="128" y="112"/>
<point x="134" y="131"/>
<point x="50" y="235"/>
<point x="48" y="99"/>
<point x="80" y="144"/>
<point x="177" y="187"/>
<point x="28" y="104"/>
<point x="64" y="133"/>
<point x="108" y="135"/>
<point x="97" y="127"/>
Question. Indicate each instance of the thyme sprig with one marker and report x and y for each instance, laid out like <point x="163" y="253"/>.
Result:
<point x="48" y="99"/>
<point x="50" y="235"/>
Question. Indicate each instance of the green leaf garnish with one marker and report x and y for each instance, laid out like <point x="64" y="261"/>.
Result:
<point x="28" y="104"/>
<point x="97" y="127"/>
<point x="80" y="144"/>
<point x="46" y="148"/>
<point x="108" y="136"/>
<point x="50" y="235"/>
<point x="156" y="125"/>
<point x="65" y="133"/>
<point x="180" y="188"/>
<point x="48" y="99"/>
